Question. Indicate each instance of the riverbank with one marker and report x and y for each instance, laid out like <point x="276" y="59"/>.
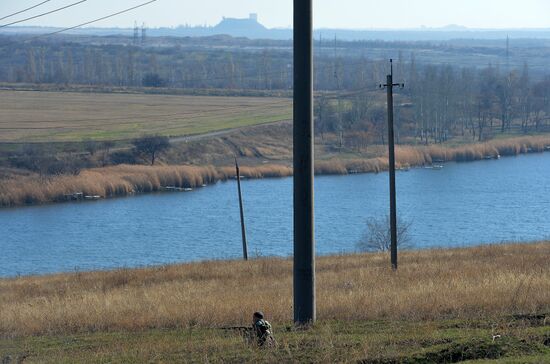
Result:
<point x="439" y="306"/>
<point x="121" y="180"/>
<point x="19" y="189"/>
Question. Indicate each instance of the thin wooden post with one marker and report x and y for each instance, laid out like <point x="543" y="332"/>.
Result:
<point x="243" y="229"/>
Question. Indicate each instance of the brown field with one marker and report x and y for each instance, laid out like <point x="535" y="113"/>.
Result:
<point x="462" y="284"/>
<point x="29" y="116"/>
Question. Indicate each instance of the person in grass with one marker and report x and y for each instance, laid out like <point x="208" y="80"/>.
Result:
<point x="262" y="330"/>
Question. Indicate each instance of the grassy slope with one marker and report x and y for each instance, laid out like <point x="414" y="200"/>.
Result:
<point x="57" y="116"/>
<point x="441" y="305"/>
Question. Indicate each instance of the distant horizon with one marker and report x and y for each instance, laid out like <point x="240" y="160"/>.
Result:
<point x="345" y="15"/>
<point x="449" y="27"/>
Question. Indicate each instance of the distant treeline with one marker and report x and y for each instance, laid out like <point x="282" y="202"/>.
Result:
<point x="439" y="102"/>
<point x="440" y="99"/>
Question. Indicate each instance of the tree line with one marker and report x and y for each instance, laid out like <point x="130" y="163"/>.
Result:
<point x="439" y="100"/>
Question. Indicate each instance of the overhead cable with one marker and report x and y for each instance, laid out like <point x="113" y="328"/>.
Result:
<point x="43" y="14"/>
<point x="24" y="10"/>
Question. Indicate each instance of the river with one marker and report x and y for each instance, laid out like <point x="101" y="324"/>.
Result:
<point x="463" y="204"/>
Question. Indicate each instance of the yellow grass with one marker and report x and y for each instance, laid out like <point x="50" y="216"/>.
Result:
<point x="462" y="283"/>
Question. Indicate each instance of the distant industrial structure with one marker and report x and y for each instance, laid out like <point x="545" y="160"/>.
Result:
<point x="137" y="40"/>
<point x="241" y="27"/>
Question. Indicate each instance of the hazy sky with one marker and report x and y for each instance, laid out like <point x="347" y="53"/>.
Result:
<point x="278" y="13"/>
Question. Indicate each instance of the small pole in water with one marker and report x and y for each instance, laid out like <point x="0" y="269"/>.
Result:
<point x="243" y="230"/>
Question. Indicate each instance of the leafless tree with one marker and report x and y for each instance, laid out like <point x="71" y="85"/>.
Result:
<point x="151" y="146"/>
<point x="377" y="236"/>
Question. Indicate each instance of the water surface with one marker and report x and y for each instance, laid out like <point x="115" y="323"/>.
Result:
<point x="463" y="204"/>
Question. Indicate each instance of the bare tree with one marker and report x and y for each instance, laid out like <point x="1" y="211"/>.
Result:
<point x="107" y="145"/>
<point x="151" y="146"/>
<point x="377" y="116"/>
<point x="91" y="146"/>
<point x="377" y="237"/>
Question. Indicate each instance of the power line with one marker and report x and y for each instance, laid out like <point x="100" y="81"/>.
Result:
<point x="95" y="20"/>
<point x="43" y="14"/>
<point x="24" y="10"/>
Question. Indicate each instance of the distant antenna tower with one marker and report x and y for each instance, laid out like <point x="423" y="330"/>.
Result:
<point x="336" y="66"/>
<point x="143" y="33"/>
<point x="507" y="53"/>
<point x="136" y="33"/>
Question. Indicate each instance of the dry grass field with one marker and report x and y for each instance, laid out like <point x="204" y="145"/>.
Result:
<point x="440" y="306"/>
<point x="29" y="116"/>
<point x="470" y="283"/>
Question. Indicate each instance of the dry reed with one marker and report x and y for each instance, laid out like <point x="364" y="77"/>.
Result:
<point x="410" y="156"/>
<point x="119" y="181"/>
<point x="461" y="283"/>
<point x="128" y="179"/>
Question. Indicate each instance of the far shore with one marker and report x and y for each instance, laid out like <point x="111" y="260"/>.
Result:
<point x="123" y="180"/>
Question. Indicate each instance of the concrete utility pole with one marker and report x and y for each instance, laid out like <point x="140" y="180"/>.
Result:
<point x="304" y="236"/>
<point x="243" y="229"/>
<point x="391" y="146"/>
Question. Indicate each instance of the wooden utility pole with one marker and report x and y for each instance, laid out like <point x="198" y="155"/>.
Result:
<point x="243" y="229"/>
<point x="304" y="236"/>
<point x="391" y="146"/>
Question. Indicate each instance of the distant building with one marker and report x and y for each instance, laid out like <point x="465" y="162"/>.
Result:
<point x="241" y="27"/>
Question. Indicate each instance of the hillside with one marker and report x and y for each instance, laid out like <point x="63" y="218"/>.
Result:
<point x="487" y="302"/>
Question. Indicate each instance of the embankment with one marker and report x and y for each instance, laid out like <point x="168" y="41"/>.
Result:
<point x="125" y="180"/>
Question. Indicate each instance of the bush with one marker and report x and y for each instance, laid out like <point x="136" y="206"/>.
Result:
<point x="122" y="157"/>
<point x="377" y="237"/>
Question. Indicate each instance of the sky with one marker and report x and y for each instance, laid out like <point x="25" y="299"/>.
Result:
<point x="347" y="14"/>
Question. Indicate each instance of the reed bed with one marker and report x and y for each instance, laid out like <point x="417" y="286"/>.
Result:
<point x="339" y="166"/>
<point x="472" y="152"/>
<point x="119" y="181"/>
<point x="472" y="283"/>
<point x="123" y="180"/>
<point x="411" y="156"/>
<point x="265" y="171"/>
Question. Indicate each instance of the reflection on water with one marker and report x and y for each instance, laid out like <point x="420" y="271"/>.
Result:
<point x="460" y="205"/>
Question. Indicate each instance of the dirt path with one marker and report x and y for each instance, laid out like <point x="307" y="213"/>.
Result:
<point x="192" y="138"/>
